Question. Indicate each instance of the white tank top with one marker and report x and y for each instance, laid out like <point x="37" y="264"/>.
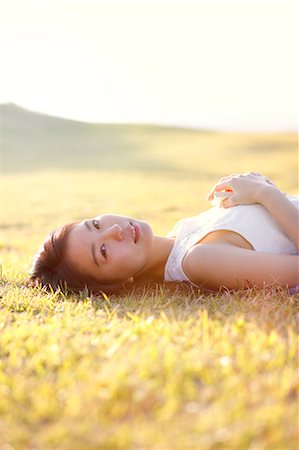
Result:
<point x="253" y="222"/>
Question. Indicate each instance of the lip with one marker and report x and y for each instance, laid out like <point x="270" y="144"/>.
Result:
<point x="135" y="231"/>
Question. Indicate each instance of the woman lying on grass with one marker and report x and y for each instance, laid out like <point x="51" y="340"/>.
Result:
<point x="250" y="240"/>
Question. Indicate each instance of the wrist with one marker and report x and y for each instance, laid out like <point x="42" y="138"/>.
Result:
<point x="265" y="192"/>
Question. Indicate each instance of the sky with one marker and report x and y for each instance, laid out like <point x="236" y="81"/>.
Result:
<point x="216" y="64"/>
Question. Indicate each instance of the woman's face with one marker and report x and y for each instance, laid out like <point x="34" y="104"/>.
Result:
<point x="110" y="247"/>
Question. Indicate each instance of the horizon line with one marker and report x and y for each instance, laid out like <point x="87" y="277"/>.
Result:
<point x="156" y="124"/>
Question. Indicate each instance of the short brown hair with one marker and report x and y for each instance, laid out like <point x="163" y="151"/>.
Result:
<point x="50" y="267"/>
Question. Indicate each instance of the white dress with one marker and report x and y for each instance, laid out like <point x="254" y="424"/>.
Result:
<point x="253" y="222"/>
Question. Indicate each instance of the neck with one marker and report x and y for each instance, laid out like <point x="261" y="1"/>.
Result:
<point x="160" y="251"/>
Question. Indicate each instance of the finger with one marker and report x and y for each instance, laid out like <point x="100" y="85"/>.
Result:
<point x="269" y="181"/>
<point x="225" y="186"/>
<point x="253" y="173"/>
<point x="229" y="202"/>
<point x="259" y="175"/>
<point x="222" y="180"/>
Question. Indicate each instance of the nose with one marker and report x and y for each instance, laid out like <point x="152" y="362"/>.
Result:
<point x="116" y="232"/>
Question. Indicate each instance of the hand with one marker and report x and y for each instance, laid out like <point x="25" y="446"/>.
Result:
<point x="246" y="188"/>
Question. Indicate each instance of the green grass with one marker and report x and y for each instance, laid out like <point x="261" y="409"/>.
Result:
<point x="153" y="370"/>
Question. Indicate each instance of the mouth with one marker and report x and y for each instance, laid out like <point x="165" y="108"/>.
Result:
<point x="136" y="232"/>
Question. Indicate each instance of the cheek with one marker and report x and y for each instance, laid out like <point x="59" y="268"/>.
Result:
<point x="122" y="259"/>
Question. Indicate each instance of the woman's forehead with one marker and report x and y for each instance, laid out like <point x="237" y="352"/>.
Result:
<point x="78" y="242"/>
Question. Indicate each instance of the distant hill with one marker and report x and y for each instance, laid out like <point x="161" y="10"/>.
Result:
<point x="32" y="141"/>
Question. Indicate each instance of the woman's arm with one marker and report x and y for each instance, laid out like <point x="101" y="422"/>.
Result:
<point x="216" y="265"/>
<point x="284" y="212"/>
<point x="255" y="188"/>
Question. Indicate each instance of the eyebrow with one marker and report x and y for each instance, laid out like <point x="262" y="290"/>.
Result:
<point x="93" y="247"/>
<point x="87" y="225"/>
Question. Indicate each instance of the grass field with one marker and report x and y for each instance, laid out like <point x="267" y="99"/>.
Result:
<point x="152" y="370"/>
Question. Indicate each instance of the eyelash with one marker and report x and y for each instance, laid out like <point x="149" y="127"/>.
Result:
<point x="103" y="246"/>
<point x="96" y="222"/>
<point x="103" y="250"/>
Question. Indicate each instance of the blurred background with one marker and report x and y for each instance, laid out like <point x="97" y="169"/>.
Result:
<point x="212" y="64"/>
<point x="138" y="107"/>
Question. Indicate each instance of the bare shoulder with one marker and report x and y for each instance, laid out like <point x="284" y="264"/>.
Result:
<point x="198" y="262"/>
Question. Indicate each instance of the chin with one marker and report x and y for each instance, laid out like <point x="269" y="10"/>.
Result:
<point x="146" y="228"/>
<point x="146" y="224"/>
